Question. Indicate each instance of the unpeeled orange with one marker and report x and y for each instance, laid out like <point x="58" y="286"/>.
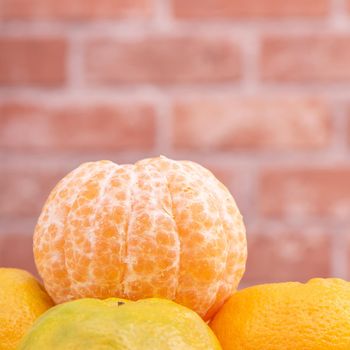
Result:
<point x="158" y="228"/>
<point x="22" y="301"/>
<point x="287" y="316"/>
<point x="150" y="324"/>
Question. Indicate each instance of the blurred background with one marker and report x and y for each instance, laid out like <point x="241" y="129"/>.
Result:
<point x="256" y="90"/>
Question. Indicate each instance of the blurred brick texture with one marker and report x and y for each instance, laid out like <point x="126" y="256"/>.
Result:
<point x="256" y="90"/>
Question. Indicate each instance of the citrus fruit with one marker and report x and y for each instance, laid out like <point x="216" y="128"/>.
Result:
<point x="287" y="316"/>
<point x="150" y="324"/>
<point x="22" y="300"/>
<point x="158" y="228"/>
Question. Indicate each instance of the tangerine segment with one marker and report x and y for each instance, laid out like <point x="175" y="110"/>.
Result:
<point x="152" y="242"/>
<point x="234" y="231"/>
<point x="108" y="260"/>
<point x="49" y="236"/>
<point x="82" y="229"/>
<point x="203" y="245"/>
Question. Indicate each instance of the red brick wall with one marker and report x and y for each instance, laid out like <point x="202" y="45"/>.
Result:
<point x="257" y="90"/>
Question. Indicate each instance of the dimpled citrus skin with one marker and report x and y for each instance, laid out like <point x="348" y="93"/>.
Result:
<point x="150" y="324"/>
<point x="158" y="228"/>
<point x="22" y="301"/>
<point x="287" y="316"/>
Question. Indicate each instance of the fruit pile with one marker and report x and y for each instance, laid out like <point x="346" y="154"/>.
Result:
<point x="149" y="257"/>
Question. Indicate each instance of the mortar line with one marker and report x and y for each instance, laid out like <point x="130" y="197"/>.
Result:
<point x="339" y="18"/>
<point x="163" y="127"/>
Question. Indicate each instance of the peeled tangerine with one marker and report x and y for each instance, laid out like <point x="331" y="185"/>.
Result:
<point x="287" y="316"/>
<point x="158" y="228"/>
<point x="150" y="324"/>
<point x="22" y="301"/>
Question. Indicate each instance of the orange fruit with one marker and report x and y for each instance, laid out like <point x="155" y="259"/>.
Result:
<point x="287" y="316"/>
<point x="22" y="301"/>
<point x="156" y="324"/>
<point x="158" y="228"/>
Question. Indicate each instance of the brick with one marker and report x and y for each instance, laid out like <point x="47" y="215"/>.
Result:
<point x="346" y="252"/>
<point x="223" y="172"/>
<point x="77" y="127"/>
<point x="16" y="251"/>
<point x="162" y="60"/>
<point x="249" y="8"/>
<point x="24" y="189"/>
<point x="305" y="193"/>
<point x="33" y="61"/>
<point x="287" y="255"/>
<point x="233" y="176"/>
<point x="207" y="124"/>
<point x="73" y="9"/>
<point x="305" y="58"/>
